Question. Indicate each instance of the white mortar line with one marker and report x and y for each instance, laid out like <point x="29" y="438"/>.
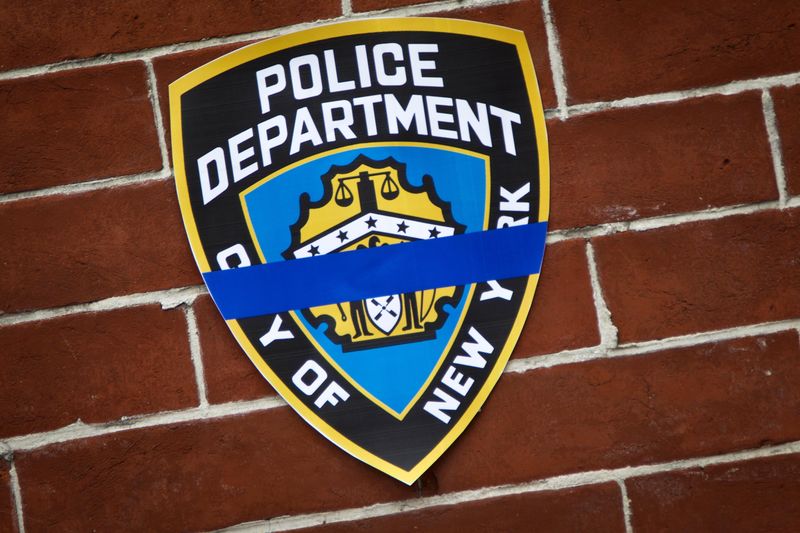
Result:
<point x="608" y="331"/>
<point x="592" y="353"/>
<point x="80" y="430"/>
<point x="626" y="505"/>
<point x="154" y="101"/>
<point x="734" y="87"/>
<point x="86" y="186"/>
<point x="174" y="297"/>
<point x="651" y="223"/>
<point x="566" y="357"/>
<point x="168" y="299"/>
<point x="347" y="8"/>
<point x="16" y="495"/>
<point x="694" y="339"/>
<point x="556" y="61"/>
<point x="157" y="51"/>
<point x="563" y="111"/>
<point x="566" y="481"/>
<point x="151" y="53"/>
<point x="196" y="353"/>
<point x="775" y="146"/>
<point x="552" y="113"/>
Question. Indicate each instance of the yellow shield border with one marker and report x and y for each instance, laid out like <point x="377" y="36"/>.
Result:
<point x="253" y="51"/>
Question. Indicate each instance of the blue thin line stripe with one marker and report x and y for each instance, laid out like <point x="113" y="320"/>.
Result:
<point x="396" y="269"/>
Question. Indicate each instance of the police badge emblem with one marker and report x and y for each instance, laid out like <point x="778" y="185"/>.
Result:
<point x="367" y="202"/>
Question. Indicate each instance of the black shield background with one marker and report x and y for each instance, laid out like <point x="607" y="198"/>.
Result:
<point x="479" y="63"/>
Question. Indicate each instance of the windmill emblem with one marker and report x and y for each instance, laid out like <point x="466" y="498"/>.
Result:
<point x="367" y="204"/>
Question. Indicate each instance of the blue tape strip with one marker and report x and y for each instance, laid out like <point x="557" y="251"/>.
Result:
<point x="359" y="274"/>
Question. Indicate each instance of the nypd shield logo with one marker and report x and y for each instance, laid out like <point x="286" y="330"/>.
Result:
<point x="367" y="202"/>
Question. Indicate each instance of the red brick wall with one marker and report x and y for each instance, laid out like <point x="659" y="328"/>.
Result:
<point x="656" y="386"/>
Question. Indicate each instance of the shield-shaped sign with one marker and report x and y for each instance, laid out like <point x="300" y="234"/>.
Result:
<point x="367" y="202"/>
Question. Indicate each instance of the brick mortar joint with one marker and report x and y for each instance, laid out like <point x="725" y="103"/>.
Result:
<point x="80" y="430"/>
<point x="108" y="183"/>
<point x="16" y="496"/>
<point x="170" y="298"/>
<point x="556" y="61"/>
<point x="644" y="348"/>
<point x="608" y="331"/>
<point x="152" y="84"/>
<point x="196" y="354"/>
<point x="731" y="88"/>
<point x="154" y="52"/>
<point x="554" y="483"/>
<point x="167" y="299"/>
<point x="662" y="221"/>
<point x="563" y="112"/>
<point x="773" y="135"/>
<point x="347" y="8"/>
<point x="626" y="506"/>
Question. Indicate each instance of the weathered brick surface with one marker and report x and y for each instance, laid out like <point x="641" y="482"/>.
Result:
<point x="230" y="376"/>
<point x="592" y="508"/>
<point x="525" y="16"/>
<point x="648" y="161"/>
<point x="610" y="165"/>
<point x="171" y="67"/>
<point x="590" y="415"/>
<point x="757" y="495"/>
<point x="195" y="477"/>
<point x="8" y="518"/>
<point x="83" y="247"/>
<point x="562" y="316"/>
<point x="703" y="275"/>
<point x="667" y="405"/>
<point x="94" y="367"/>
<point x="787" y="111"/>
<point x="75" y="126"/>
<point x="45" y="32"/>
<point x="616" y="49"/>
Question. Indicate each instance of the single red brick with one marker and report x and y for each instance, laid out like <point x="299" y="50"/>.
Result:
<point x="169" y="68"/>
<point x="702" y="276"/>
<point x="562" y="316"/>
<point x="61" y="250"/>
<point x="94" y="367"/>
<point x="756" y="495"/>
<point x="253" y="466"/>
<point x="45" y="32"/>
<point x="525" y="16"/>
<point x="75" y="126"/>
<point x="373" y="5"/>
<point x="787" y="111"/>
<point x="593" y="508"/>
<point x="668" y="405"/>
<point x="230" y="375"/>
<point x="615" y="49"/>
<point x="648" y="161"/>
<point x="8" y="517"/>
